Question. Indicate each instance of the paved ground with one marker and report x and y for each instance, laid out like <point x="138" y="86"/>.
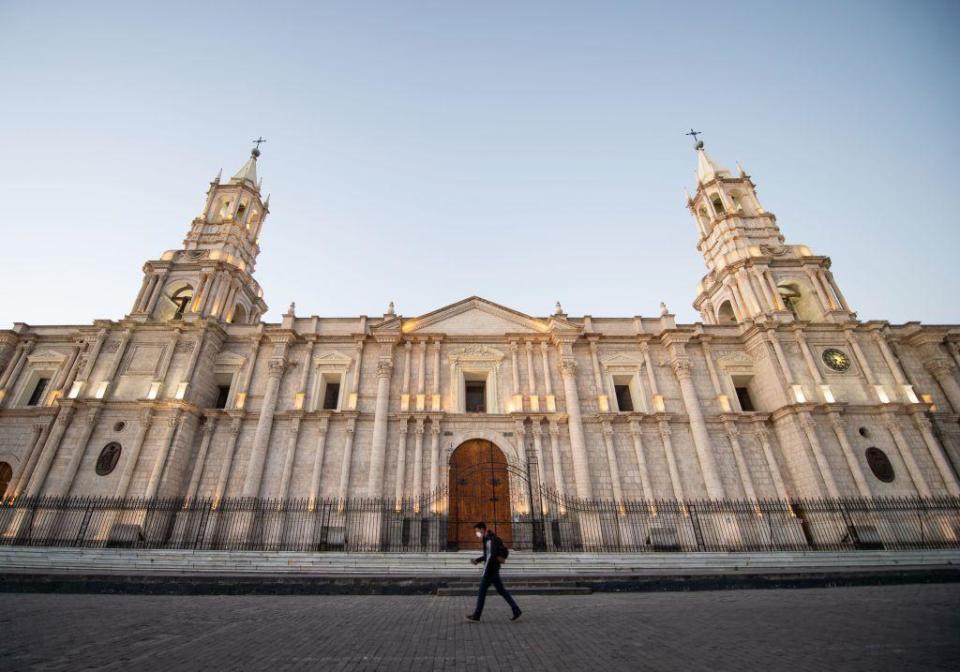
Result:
<point x="872" y="628"/>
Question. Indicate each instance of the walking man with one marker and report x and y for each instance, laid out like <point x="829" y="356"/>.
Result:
<point x="494" y="554"/>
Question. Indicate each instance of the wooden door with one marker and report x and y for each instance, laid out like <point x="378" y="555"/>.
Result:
<point x="479" y="490"/>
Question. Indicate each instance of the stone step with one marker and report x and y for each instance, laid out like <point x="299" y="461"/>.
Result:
<point x="516" y="590"/>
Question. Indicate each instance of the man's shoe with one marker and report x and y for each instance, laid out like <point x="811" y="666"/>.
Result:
<point x="472" y="617"/>
<point x="516" y="615"/>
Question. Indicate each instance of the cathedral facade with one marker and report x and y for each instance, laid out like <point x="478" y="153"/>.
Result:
<point x="780" y="392"/>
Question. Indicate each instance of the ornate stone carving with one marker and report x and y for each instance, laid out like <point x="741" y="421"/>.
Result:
<point x="384" y="368"/>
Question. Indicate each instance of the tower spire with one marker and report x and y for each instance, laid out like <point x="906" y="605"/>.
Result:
<point x="248" y="172"/>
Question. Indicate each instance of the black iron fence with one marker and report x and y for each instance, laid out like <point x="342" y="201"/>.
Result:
<point x="419" y="525"/>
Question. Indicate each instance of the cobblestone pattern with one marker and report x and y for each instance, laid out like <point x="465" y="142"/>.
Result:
<point x="873" y="628"/>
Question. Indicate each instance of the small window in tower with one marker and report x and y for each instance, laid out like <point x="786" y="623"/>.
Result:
<point x="743" y="396"/>
<point x="37" y="395"/>
<point x="624" y="398"/>
<point x="725" y="314"/>
<point x="223" y="393"/>
<point x="475" y="396"/>
<point x="331" y="396"/>
<point x="718" y="205"/>
<point x="242" y="208"/>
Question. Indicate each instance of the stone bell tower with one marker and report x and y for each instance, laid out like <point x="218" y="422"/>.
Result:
<point x="753" y="273"/>
<point x="211" y="276"/>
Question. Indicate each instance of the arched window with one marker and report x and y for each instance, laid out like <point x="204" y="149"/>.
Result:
<point x="239" y="315"/>
<point x="717" y="204"/>
<point x="880" y="464"/>
<point x="225" y="208"/>
<point x="799" y="302"/>
<point x="182" y="299"/>
<point x="108" y="459"/>
<point x="725" y="314"/>
<point x="6" y="473"/>
<point x="242" y="208"/>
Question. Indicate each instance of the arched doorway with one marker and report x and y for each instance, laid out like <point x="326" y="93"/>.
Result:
<point x="479" y="490"/>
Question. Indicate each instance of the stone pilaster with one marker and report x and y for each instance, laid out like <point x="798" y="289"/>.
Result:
<point x="378" y="451"/>
<point x="209" y="427"/>
<point x="132" y="455"/>
<point x="344" y="489"/>
<point x="676" y="483"/>
<point x="401" y="460"/>
<point x="290" y="457"/>
<point x="698" y="426"/>
<point x="261" y="439"/>
<point x="223" y="479"/>
<point x="849" y="454"/>
<point x="418" y="461"/>
<point x="578" y="442"/>
<point x="823" y="466"/>
<point x="315" y="478"/>
<point x="636" y="433"/>
<point x="906" y="454"/>
<point x="39" y="477"/>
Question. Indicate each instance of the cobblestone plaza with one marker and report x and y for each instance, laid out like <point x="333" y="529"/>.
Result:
<point x="909" y="627"/>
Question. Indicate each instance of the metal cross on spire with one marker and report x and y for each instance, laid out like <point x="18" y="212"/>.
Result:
<point x="256" y="150"/>
<point x="698" y="144"/>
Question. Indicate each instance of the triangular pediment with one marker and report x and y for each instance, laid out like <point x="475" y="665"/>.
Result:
<point x="623" y="359"/>
<point x="46" y="357"/>
<point x="332" y="357"/>
<point x="476" y="316"/>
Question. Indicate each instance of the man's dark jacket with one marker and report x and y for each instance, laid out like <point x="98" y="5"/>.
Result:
<point x="498" y="552"/>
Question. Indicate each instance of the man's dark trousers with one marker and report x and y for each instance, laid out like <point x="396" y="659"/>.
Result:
<point x="491" y="576"/>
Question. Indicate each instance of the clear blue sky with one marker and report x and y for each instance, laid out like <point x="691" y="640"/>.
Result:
<point x="422" y="152"/>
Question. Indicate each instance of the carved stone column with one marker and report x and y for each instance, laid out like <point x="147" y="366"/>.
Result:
<point x="33" y="455"/>
<point x="532" y="380"/>
<point x="763" y="436"/>
<point x="318" y="462"/>
<point x="849" y="454"/>
<point x="940" y="368"/>
<point x="558" y="483"/>
<point x="434" y="459"/>
<point x="676" y="483"/>
<point x="73" y="465"/>
<point x="14" y="374"/>
<point x="418" y="462"/>
<point x="38" y="479"/>
<point x="578" y="442"/>
<point x="344" y="489"/>
<point x="378" y="451"/>
<point x="733" y="434"/>
<point x="636" y="433"/>
<point x="132" y="456"/>
<point x="906" y="454"/>
<point x="261" y="439"/>
<point x="608" y="442"/>
<point x="823" y="465"/>
<point x="401" y="461"/>
<point x="936" y="452"/>
<point x="175" y="423"/>
<point x="698" y="426"/>
<point x="223" y="479"/>
<point x="537" y="432"/>
<point x="290" y="458"/>
<point x="209" y="427"/>
<point x="547" y="381"/>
